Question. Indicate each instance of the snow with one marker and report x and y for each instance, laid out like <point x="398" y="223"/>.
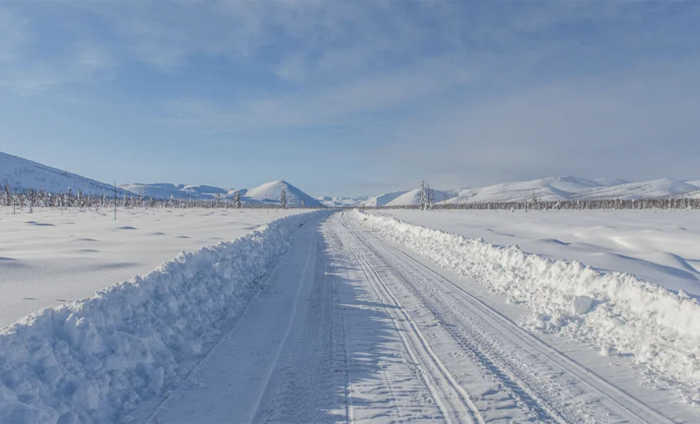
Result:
<point x="609" y="182"/>
<point x="96" y="360"/>
<point x="659" y="328"/>
<point x="413" y="197"/>
<point x="547" y="189"/>
<point x="352" y="328"/>
<point x="272" y="191"/>
<point x="662" y="247"/>
<point x="22" y="174"/>
<point x="648" y="189"/>
<point x="50" y="257"/>
<point x="382" y="199"/>
<point x="336" y="202"/>
<point x="268" y="193"/>
<point x="167" y="191"/>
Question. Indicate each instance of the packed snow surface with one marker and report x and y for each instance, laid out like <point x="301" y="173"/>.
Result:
<point x="51" y="257"/>
<point x="97" y="359"/>
<point x="21" y="174"/>
<point x="615" y="312"/>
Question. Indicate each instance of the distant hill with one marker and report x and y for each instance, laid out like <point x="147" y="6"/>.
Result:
<point x="336" y="202"/>
<point x="413" y="197"/>
<point x="272" y="191"/>
<point x="644" y="190"/>
<point x="23" y="174"/>
<point x="268" y="193"/>
<point x="382" y="199"/>
<point x="546" y="189"/>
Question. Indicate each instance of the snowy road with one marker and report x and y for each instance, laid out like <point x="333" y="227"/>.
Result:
<point x="351" y="328"/>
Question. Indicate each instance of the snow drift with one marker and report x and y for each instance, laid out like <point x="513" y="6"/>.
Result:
<point x="95" y="360"/>
<point x="616" y="312"/>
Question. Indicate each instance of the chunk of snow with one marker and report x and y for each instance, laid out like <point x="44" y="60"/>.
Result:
<point x="582" y="304"/>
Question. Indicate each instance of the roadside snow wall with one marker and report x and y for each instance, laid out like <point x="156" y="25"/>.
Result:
<point x="616" y="312"/>
<point x="96" y="359"/>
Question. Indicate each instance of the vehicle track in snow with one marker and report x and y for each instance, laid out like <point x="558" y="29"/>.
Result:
<point x="351" y="328"/>
<point x="554" y="387"/>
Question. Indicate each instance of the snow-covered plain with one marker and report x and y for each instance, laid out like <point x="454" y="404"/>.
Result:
<point x="51" y="257"/>
<point x="660" y="246"/>
<point x="343" y="316"/>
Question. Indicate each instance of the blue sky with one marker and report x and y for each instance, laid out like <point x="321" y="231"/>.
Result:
<point x="351" y="98"/>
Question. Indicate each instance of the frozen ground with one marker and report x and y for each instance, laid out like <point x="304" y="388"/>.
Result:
<point x="50" y="257"/>
<point x="347" y="317"/>
<point x="657" y="246"/>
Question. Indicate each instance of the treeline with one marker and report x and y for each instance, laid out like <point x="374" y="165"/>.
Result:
<point x="29" y="199"/>
<point x="538" y="205"/>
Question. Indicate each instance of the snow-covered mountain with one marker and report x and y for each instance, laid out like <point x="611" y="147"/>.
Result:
<point x="339" y="202"/>
<point x="382" y="199"/>
<point x="610" y="181"/>
<point x="413" y="197"/>
<point x="647" y="189"/>
<point x="546" y="189"/>
<point x="272" y="191"/>
<point x="268" y="193"/>
<point x="23" y="174"/>
<point x="163" y="191"/>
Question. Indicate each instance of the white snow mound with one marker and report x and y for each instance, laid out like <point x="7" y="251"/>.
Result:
<point x="95" y="360"/>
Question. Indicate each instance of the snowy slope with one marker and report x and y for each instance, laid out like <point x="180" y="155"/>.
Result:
<point x="160" y="191"/>
<point x="412" y="197"/>
<point x="546" y="189"/>
<point x="646" y="189"/>
<point x="610" y="181"/>
<point x="382" y="199"/>
<point x="22" y="174"/>
<point x="337" y="202"/>
<point x="266" y="193"/>
<point x="272" y="191"/>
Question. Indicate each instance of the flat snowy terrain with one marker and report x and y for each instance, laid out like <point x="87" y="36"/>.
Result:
<point x="50" y="257"/>
<point x="343" y="316"/>
<point x="658" y="246"/>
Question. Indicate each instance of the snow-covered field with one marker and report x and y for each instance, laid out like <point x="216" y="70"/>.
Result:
<point x="659" y="246"/>
<point x="343" y="316"/>
<point x="50" y="257"/>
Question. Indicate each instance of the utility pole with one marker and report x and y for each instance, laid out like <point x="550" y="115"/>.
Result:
<point x="115" y="200"/>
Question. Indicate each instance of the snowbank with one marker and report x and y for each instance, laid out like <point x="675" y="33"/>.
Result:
<point x="616" y="312"/>
<point x="96" y="359"/>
